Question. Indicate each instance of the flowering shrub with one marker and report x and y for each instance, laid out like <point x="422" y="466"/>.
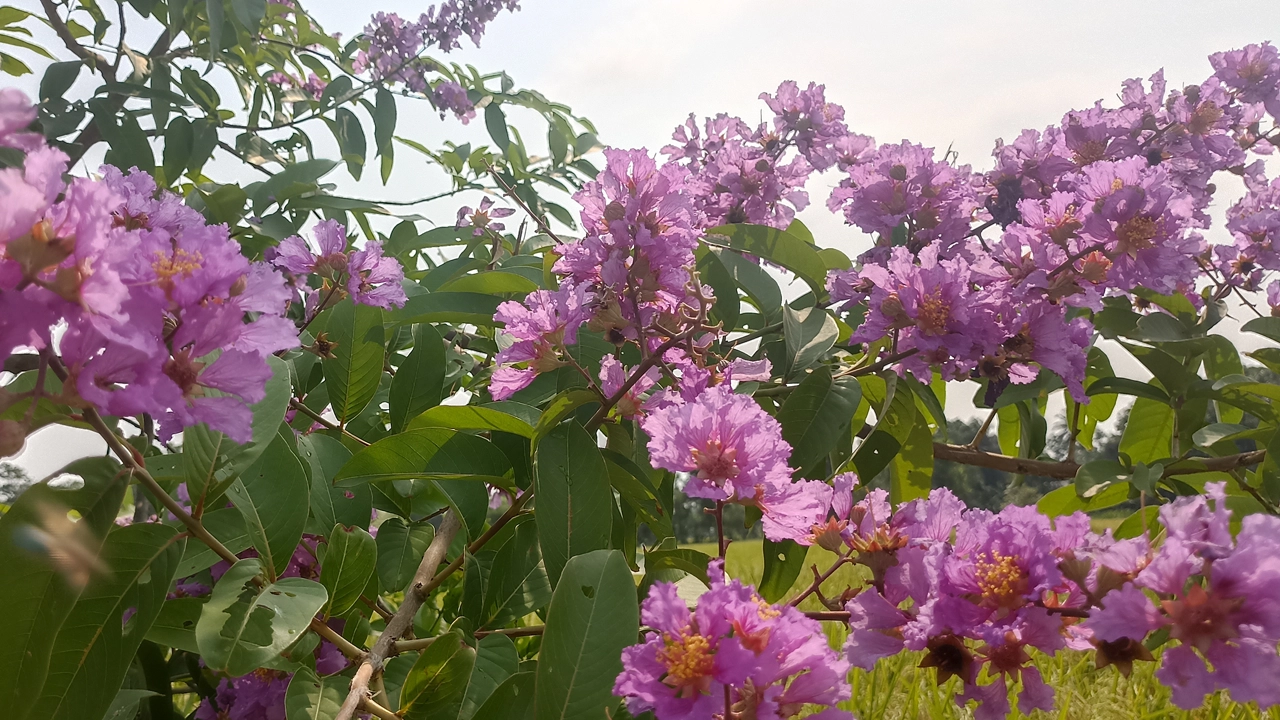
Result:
<point x="365" y="468"/>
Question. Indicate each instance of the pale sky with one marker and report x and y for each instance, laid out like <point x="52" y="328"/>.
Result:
<point x="958" y="73"/>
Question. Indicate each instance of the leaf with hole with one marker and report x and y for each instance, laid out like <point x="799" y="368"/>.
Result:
<point x="244" y="625"/>
<point x="593" y="616"/>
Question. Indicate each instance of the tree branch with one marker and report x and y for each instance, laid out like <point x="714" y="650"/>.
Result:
<point x="403" y="619"/>
<point x="96" y="61"/>
<point x="1066" y="470"/>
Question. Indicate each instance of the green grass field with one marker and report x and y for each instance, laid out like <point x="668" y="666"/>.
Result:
<point x="897" y="690"/>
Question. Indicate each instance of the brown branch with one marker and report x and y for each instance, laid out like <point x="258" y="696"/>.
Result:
<point x="1066" y="470"/>
<point x="1020" y="466"/>
<point x="512" y="513"/>
<point x="401" y="622"/>
<point x="830" y="616"/>
<point x="96" y="61"/>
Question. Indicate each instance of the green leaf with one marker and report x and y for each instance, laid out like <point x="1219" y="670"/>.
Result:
<point x="244" y="626"/>
<point x="1138" y="523"/>
<point x="472" y="417"/>
<point x="809" y="334"/>
<point x="450" y="307"/>
<point x="509" y="580"/>
<point x="1148" y="433"/>
<point x="400" y="550"/>
<point x="593" y="616"/>
<point x="496" y="123"/>
<point x="781" y="247"/>
<point x="1268" y="327"/>
<point x="815" y="416"/>
<point x="250" y="13"/>
<point x="351" y="141"/>
<point x="274" y="498"/>
<point x="35" y="596"/>
<point x="58" y="79"/>
<point x="496" y="660"/>
<point x="561" y="407"/>
<point x="175" y="626"/>
<point x="685" y="559"/>
<point x="1065" y="500"/>
<point x="355" y="371"/>
<point x="1097" y="475"/>
<point x="384" y="121"/>
<point x="896" y="418"/>
<point x="491" y="282"/>
<point x="1126" y="386"/>
<point x="911" y="472"/>
<point x="349" y="562"/>
<point x="96" y="644"/>
<point x="427" y="453"/>
<point x="1171" y="373"/>
<point x="296" y="179"/>
<point x="178" y="141"/>
<point x="419" y="383"/>
<point x="325" y="456"/>
<point x="783" y="562"/>
<point x="575" y="501"/>
<point x="213" y="10"/>
<point x="754" y="280"/>
<point x="314" y="698"/>
<point x="437" y="684"/>
<point x="511" y="700"/>
<point x="225" y="524"/>
<point x="125" y="704"/>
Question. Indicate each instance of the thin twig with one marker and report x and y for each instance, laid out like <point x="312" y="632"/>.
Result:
<point x="511" y="193"/>
<point x="302" y="408"/>
<point x="818" y="579"/>
<point x="982" y="431"/>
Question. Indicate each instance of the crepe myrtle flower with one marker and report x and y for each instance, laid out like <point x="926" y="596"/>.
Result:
<point x="482" y="218"/>
<point x="732" y="448"/>
<point x="368" y="277"/>
<point x="1219" y="600"/>
<point x="542" y="326"/>
<point x="772" y="659"/>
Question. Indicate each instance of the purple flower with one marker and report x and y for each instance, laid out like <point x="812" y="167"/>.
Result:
<point x="545" y="324"/>
<point x="640" y="238"/>
<point x="772" y="658"/>
<point x="732" y="448"/>
<point x="1218" y="598"/>
<point x="16" y="115"/>
<point x="451" y="97"/>
<point x="482" y="218"/>
<point x="369" y="278"/>
<point x="904" y="184"/>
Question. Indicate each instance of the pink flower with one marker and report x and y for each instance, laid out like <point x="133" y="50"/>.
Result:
<point x="732" y="448"/>
<point x="773" y="659"/>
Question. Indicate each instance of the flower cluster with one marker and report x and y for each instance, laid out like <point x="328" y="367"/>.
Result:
<point x="735" y="653"/>
<point x="1217" y="597"/>
<point x="365" y="275"/>
<point x="630" y="278"/>
<point x="737" y="173"/>
<point x="163" y="314"/>
<point x="978" y="594"/>
<point x="395" y="46"/>
<point x="1109" y="201"/>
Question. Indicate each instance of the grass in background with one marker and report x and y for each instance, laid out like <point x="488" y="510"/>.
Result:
<point x="897" y="690"/>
